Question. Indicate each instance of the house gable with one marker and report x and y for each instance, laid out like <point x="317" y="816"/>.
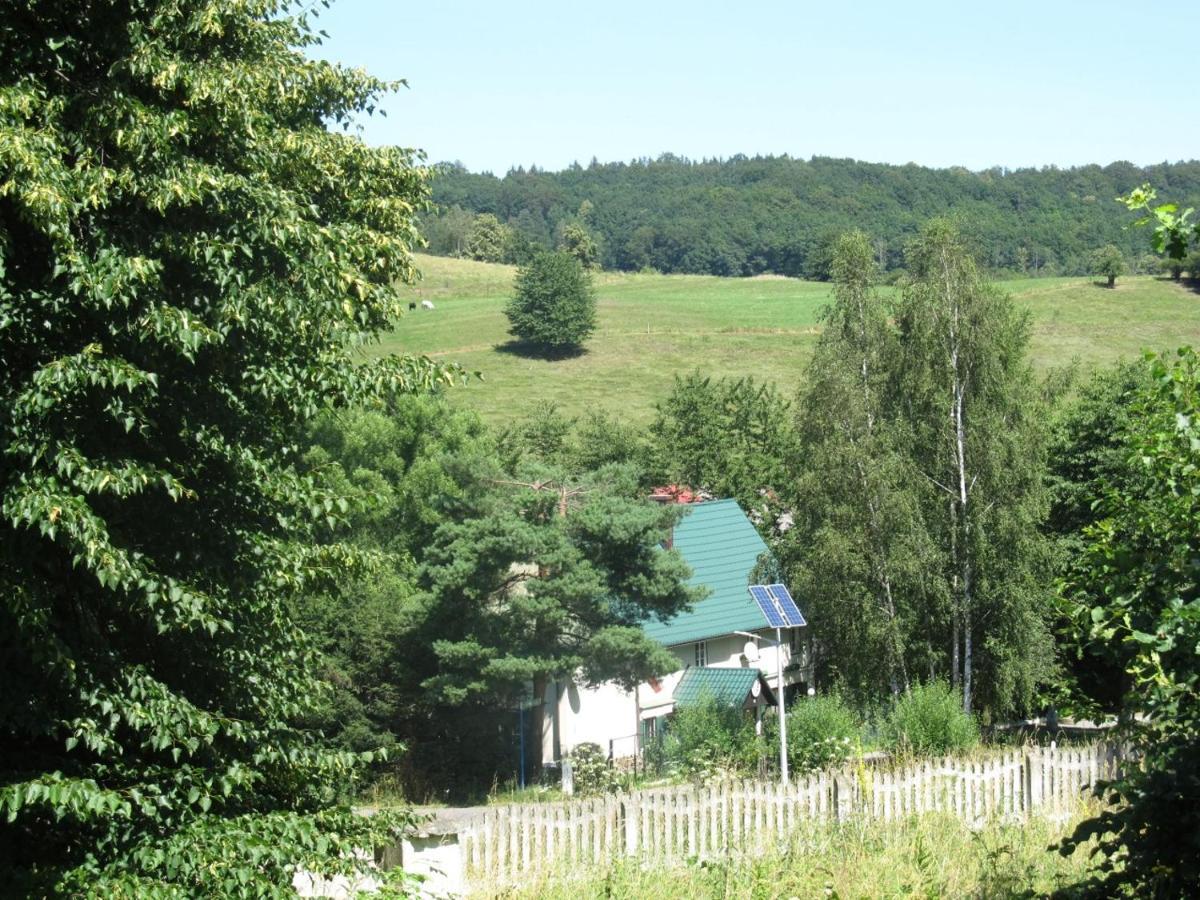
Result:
<point x="721" y="546"/>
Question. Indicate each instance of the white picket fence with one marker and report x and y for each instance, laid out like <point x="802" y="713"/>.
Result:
<point x="665" y="824"/>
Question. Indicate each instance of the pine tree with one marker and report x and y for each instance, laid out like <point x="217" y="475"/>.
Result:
<point x="548" y="574"/>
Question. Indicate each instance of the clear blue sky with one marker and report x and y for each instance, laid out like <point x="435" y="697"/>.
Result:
<point x="975" y="84"/>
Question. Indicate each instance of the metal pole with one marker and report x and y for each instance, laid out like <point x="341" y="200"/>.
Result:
<point x="783" y="760"/>
<point x="521" y="726"/>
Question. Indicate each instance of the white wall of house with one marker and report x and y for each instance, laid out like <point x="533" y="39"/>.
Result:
<point x="605" y="715"/>
<point x="726" y="652"/>
<point x="608" y="715"/>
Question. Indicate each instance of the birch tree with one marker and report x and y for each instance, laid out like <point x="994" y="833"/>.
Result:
<point x="968" y="396"/>
<point x="860" y="545"/>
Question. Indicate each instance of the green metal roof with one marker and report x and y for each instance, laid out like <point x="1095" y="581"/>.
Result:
<point x="721" y="547"/>
<point x="729" y="687"/>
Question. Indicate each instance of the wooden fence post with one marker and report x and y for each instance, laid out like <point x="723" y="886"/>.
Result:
<point x="1035" y="790"/>
<point x="629" y="811"/>
<point x="840" y="804"/>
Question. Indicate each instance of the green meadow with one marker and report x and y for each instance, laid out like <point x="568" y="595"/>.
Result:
<point x="652" y="327"/>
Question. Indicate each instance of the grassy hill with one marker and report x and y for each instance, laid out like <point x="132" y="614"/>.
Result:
<point x="654" y="326"/>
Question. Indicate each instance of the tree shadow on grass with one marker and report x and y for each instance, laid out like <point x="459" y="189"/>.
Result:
<point x="1185" y="282"/>
<point x="528" y="350"/>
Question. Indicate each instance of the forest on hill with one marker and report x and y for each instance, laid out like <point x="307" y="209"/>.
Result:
<point x="776" y="214"/>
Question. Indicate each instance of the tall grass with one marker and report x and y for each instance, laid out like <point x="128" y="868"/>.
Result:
<point x="929" y="720"/>
<point x="933" y="856"/>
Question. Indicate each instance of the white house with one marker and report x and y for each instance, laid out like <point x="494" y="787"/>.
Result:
<point x="721" y="546"/>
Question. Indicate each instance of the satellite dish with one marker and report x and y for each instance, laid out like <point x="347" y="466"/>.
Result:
<point x="750" y="651"/>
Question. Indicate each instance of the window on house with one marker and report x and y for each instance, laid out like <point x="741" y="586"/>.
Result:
<point x="702" y="653"/>
<point x="649" y="729"/>
<point x="795" y="647"/>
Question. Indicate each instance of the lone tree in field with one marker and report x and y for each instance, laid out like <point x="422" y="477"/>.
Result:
<point x="187" y="255"/>
<point x="1109" y="262"/>
<point x="554" y="304"/>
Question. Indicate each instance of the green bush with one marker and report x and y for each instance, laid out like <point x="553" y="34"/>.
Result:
<point x="929" y="719"/>
<point x="592" y="773"/>
<point x="706" y="740"/>
<point x="822" y="732"/>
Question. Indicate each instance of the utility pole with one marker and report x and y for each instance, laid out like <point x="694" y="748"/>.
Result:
<point x="783" y="760"/>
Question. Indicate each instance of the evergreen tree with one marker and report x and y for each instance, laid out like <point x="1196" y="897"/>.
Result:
<point x="548" y="576"/>
<point x="396" y="469"/>
<point x="551" y="577"/>
<point x="534" y="547"/>
<point x="187" y="256"/>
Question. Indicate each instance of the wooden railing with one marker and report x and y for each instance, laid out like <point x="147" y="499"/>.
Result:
<point x="671" y="823"/>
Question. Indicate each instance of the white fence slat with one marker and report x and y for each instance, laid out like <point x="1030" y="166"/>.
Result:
<point x="664" y="825"/>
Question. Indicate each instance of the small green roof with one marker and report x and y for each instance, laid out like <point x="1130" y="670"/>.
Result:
<point x="721" y="546"/>
<point x="729" y="687"/>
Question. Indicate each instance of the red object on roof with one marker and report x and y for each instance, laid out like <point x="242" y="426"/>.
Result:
<point x="674" y="493"/>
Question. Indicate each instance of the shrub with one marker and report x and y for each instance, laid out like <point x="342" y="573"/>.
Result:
<point x="592" y="772"/>
<point x="706" y="740"/>
<point x="554" y="304"/>
<point x="822" y="731"/>
<point x="929" y="719"/>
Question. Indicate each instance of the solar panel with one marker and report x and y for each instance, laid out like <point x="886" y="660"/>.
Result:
<point x="791" y="612"/>
<point x="777" y="605"/>
<point x="767" y="605"/>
